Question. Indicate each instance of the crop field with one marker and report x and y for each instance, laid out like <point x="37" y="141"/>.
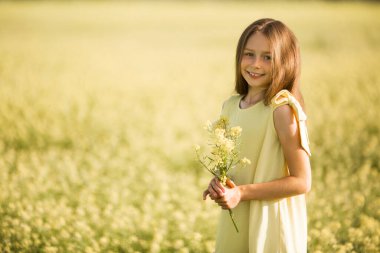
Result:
<point x="102" y="102"/>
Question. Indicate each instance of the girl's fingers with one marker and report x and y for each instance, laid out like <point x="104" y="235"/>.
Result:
<point x="212" y="192"/>
<point x="205" y="193"/>
<point x="230" y="183"/>
<point x="217" y="186"/>
<point x="223" y="206"/>
<point x="217" y="191"/>
<point x="221" y="201"/>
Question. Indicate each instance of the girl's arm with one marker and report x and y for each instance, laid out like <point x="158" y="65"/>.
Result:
<point x="298" y="182"/>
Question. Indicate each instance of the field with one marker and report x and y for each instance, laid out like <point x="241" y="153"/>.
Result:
<point x="101" y="103"/>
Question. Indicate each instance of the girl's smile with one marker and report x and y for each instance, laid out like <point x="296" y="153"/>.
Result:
<point x="254" y="75"/>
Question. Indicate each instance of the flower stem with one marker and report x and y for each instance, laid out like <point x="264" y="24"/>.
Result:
<point x="233" y="221"/>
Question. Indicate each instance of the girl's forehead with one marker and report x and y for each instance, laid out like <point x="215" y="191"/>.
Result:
<point x="258" y="42"/>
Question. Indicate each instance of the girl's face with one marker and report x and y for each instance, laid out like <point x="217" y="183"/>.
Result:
<point x="256" y="62"/>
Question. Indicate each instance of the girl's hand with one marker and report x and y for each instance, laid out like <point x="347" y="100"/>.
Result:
<point x="215" y="189"/>
<point x="231" y="197"/>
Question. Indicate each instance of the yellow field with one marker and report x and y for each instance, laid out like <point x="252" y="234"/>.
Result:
<point x="100" y="104"/>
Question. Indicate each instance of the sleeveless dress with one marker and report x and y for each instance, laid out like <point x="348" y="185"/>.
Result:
<point x="275" y="226"/>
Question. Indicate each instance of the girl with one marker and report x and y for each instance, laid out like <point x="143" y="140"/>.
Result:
<point x="267" y="197"/>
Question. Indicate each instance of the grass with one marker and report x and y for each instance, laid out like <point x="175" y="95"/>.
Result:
<point x="102" y="102"/>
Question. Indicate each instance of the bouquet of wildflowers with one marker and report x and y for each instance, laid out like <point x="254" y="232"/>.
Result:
<point x="224" y="155"/>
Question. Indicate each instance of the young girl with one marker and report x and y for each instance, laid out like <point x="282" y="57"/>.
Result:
<point x="267" y="197"/>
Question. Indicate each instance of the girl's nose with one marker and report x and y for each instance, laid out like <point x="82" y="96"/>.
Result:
<point x="256" y="62"/>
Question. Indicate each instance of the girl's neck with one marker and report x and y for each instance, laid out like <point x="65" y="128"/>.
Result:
<point x="254" y="96"/>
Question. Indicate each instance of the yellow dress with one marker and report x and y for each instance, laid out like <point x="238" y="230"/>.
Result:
<point x="265" y="226"/>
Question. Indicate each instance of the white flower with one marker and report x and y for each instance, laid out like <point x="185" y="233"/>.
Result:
<point x="245" y="161"/>
<point x="208" y="125"/>
<point x="219" y="133"/>
<point x="227" y="145"/>
<point x="235" y="131"/>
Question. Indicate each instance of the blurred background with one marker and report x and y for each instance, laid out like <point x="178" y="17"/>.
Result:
<point x="101" y="103"/>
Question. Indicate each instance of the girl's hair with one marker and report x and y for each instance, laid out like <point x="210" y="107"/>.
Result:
<point x="285" y="58"/>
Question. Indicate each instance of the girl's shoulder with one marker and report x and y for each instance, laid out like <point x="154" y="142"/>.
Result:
<point x="284" y="97"/>
<point x="285" y="116"/>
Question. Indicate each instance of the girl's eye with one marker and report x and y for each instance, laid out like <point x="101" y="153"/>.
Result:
<point x="249" y="54"/>
<point x="267" y="57"/>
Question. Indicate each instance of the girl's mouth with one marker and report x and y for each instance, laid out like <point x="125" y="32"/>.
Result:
<point x="254" y="75"/>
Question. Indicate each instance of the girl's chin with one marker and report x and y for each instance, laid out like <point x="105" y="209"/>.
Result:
<point x="261" y="84"/>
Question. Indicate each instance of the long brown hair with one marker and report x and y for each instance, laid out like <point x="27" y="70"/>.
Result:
<point x="285" y="58"/>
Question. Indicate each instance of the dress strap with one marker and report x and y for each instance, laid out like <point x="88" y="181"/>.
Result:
<point x="284" y="97"/>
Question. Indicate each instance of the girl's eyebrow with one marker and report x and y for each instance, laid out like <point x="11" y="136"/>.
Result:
<point x="265" y="52"/>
